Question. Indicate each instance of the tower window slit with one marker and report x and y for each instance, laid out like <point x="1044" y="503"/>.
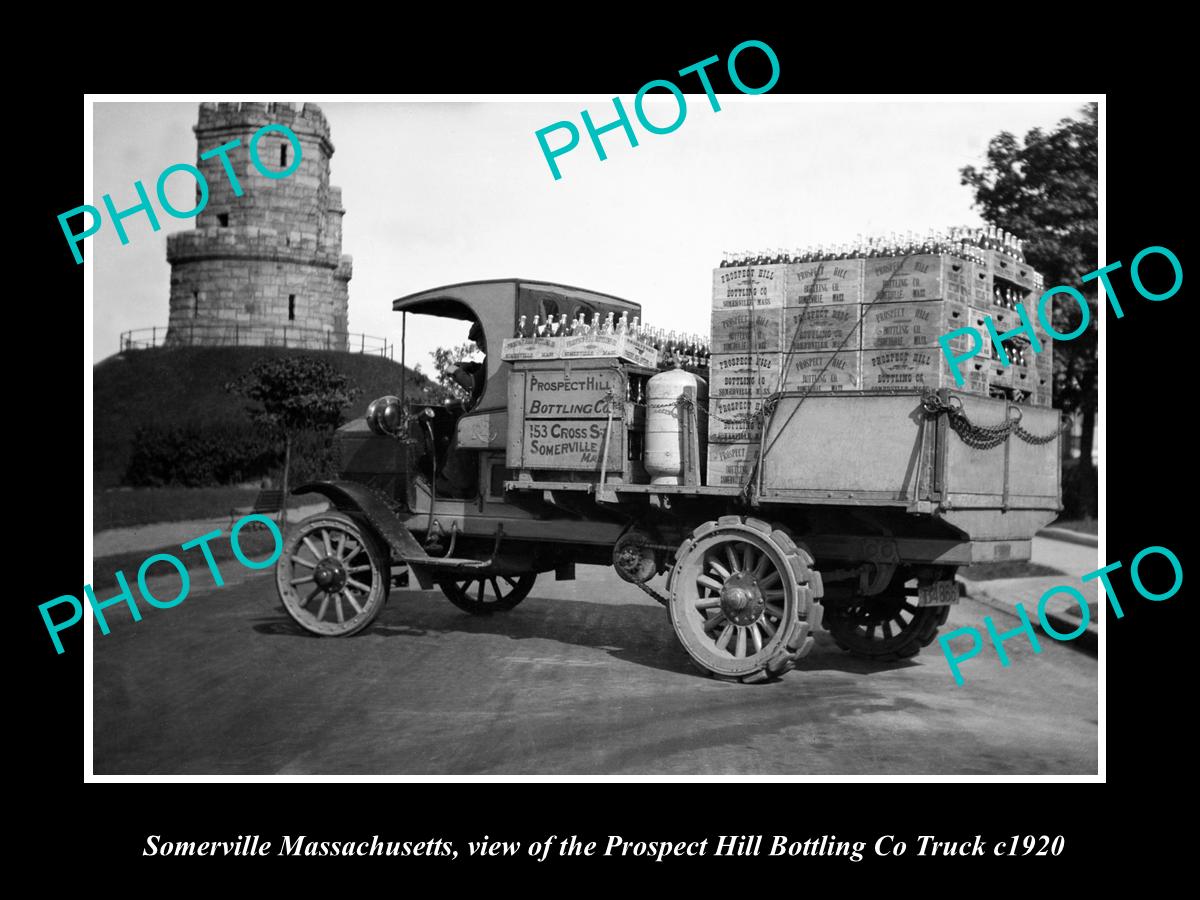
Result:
<point x="283" y="155"/>
<point x="291" y="307"/>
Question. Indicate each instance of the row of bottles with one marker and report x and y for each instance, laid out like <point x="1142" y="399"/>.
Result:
<point x="1005" y="296"/>
<point x="563" y="326"/>
<point x="691" y="349"/>
<point x="691" y="346"/>
<point x="969" y="243"/>
<point x="1019" y="351"/>
<point x="690" y="356"/>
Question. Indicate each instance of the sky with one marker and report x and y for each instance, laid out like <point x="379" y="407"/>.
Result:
<point x="443" y="192"/>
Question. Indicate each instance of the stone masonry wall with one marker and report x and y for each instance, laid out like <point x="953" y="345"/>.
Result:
<point x="265" y="267"/>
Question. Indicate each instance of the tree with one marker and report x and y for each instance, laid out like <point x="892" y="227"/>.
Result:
<point x="294" y="394"/>
<point x="1045" y="190"/>
<point x="445" y="361"/>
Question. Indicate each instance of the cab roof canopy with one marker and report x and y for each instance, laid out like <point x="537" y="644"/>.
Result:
<point x="498" y="304"/>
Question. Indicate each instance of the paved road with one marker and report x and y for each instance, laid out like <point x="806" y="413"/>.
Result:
<point x="584" y="677"/>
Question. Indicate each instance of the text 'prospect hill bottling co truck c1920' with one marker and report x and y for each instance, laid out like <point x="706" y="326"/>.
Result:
<point x="822" y="474"/>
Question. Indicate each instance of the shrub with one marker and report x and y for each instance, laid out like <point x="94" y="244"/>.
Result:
<point x="313" y="458"/>
<point x="198" y="455"/>
<point x="212" y="454"/>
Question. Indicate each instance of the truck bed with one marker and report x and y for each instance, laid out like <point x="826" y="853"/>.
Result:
<point x="884" y="449"/>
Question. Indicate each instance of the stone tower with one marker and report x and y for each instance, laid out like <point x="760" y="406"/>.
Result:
<point x="265" y="268"/>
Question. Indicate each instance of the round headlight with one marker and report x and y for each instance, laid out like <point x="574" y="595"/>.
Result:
<point x="385" y="415"/>
<point x="391" y="415"/>
<point x="371" y="407"/>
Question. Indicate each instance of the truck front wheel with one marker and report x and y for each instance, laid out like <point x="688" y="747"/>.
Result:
<point x="333" y="574"/>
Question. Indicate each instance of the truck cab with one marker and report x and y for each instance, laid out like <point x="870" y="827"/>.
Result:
<point x="497" y="306"/>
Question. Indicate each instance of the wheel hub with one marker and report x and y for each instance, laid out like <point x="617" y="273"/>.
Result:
<point x="741" y="600"/>
<point x="330" y="575"/>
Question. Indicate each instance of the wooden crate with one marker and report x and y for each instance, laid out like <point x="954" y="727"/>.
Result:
<point x="574" y="444"/>
<point x="896" y="326"/>
<point x="1043" y="392"/>
<point x="916" y="368"/>
<point x="809" y="329"/>
<point x="1004" y="267"/>
<point x="583" y="346"/>
<point x="821" y="283"/>
<point x="1023" y="378"/>
<point x="743" y="374"/>
<point x="999" y="378"/>
<point x="601" y="346"/>
<point x="742" y="287"/>
<point x="906" y="279"/>
<point x="559" y="416"/>
<point x="729" y="465"/>
<point x="980" y="279"/>
<point x="734" y="419"/>
<point x="1003" y="319"/>
<point x="517" y="349"/>
<point x="1043" y="367"/>
<point x="582" y="393"/>
<point x="822" y="371"/>
<point x="733" y="330"/>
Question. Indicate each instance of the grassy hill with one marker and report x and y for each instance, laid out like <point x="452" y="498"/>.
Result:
<point x="187" y="385"/>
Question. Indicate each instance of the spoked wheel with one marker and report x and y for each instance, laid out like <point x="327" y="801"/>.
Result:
<point x="488" y="593"/>
<point x="886" y="626"/>
<point x="741" y="595"/>
<point x="333" y="576"/>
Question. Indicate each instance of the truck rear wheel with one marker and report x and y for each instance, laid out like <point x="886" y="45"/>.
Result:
<point x="488" y="594"/>
<point x="888" y="626"/>
<point x="741" y="597"/>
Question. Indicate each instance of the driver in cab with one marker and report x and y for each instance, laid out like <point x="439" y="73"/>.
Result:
<point x="460" y="472"/>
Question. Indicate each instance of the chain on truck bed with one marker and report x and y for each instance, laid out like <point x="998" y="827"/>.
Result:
<point x="983" y="437"/>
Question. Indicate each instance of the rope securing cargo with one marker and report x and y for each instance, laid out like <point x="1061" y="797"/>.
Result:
<point x="983" y="437"/>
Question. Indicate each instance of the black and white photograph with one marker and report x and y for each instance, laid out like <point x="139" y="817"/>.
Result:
<point x="692" y="433"/>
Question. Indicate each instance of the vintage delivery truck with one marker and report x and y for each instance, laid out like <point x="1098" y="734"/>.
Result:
<point x="839" y="506"/>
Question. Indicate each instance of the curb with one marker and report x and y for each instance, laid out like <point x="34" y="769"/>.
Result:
<point x="1088" y="642"/>
<point x="132" y="538"/>
<point x="1070" y="537"/>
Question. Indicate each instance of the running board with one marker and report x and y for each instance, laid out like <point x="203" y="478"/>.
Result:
<point x="422" y="565"/>
<point x="445" y="562"/>
<point x="424" y="568"/>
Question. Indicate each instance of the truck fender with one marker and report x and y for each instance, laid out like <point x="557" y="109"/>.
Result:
<point x="350" y="496"/>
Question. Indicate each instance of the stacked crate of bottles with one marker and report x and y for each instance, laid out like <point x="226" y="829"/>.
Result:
<point x="747" y="340"/>
<point x="859" y="317"/>
<point x="1043" y="362"/>
<point x="1029" y="376"/>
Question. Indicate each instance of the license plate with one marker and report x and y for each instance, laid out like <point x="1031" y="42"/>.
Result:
<point x="940" y="593"/>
